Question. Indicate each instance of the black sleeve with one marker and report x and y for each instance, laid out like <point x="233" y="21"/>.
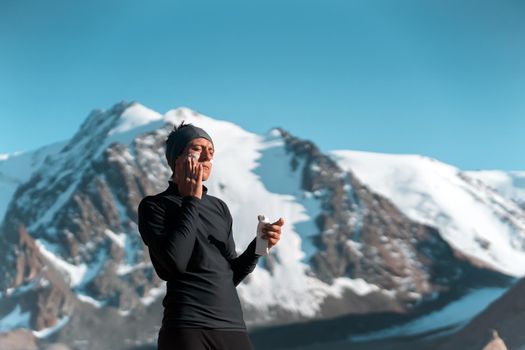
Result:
<point x="172" y="245"/>
<point x="243" y="264"/>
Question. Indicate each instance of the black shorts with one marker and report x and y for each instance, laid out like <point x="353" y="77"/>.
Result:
<point x="202" y="339"/>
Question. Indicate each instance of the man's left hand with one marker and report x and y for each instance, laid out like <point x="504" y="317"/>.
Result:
<point x="272" y="232"/>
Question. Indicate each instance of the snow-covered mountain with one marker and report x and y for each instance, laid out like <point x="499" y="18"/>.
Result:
<point x="72" y="256"/>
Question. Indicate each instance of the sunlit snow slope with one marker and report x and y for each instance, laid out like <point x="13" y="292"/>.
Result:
<point x="471" y="216"/>
<point x="510" y="184"/>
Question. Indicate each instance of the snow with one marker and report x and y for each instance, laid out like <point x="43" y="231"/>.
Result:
<point x="358" y="285"/>
<point x="15" y="319"/>
<point x="119" y="239"/>
<point x="134" y="116"/>
<point x="510" y="184"/>
<point x="127" y="243"/>
<point x="153" y="294"/>
<point x="470" y="216"/>
<point x="90" y="300"/>
<point x="455" y="314"/>
<point x="124" y="269"/>
<point x="76" y="273"/>
<point x="46" y="332"/>
<point x="134" y="121"/>
<point x="124" y="313"/>
<point x="277" y="177"/>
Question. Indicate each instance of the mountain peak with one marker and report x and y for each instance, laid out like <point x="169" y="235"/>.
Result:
<point x="133" y="116"/>
<point x="183" y="113"/>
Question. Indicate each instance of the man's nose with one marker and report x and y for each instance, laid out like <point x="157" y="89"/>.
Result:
<point x="205" y="155"/>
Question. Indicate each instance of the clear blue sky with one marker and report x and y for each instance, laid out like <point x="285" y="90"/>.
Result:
<point x="443" y="78"/>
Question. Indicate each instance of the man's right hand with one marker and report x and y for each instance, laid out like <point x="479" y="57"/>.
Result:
<point x="188" y="177"/>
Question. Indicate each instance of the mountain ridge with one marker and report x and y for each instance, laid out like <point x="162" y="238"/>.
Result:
<point x="347" y="248"/>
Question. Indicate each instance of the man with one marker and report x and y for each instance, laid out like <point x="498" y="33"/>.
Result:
<point x="190" y="241"/>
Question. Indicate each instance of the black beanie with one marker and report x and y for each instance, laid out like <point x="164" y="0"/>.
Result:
<point x="179" y="138"/>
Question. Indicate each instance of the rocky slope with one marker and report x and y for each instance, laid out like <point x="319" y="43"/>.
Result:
<point x="506" y="316"/>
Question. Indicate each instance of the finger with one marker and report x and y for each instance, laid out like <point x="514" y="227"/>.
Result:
<point x="192" y="168"/>
<point x="272" y="227"/>
<point x="273" y="242"/>
<point x="279" y="222"/>
<point x="187" y="172"/>
<point x="200" y="171"/>
<point x="187" y="168"/>
<point x="272" y="235"/>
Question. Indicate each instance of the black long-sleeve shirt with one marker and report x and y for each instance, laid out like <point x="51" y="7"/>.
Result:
<point x="191" y="247"/>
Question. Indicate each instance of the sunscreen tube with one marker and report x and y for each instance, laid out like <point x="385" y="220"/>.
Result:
<point x="261" y="246"/>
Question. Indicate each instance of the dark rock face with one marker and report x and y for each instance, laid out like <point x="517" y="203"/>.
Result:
<point x="44" y="294"/>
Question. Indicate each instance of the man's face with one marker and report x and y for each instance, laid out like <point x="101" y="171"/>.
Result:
<point x="205" y="148"/>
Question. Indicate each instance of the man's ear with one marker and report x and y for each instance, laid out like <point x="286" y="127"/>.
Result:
<point x="172" y="168"/>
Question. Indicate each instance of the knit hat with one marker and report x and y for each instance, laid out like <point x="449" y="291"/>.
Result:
<point x="179" y="138"/>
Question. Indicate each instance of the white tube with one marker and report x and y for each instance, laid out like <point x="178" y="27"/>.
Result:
<point x="261" y="246"/>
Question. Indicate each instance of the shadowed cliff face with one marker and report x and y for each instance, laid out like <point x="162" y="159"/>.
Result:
<point x="82" y="259"/>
